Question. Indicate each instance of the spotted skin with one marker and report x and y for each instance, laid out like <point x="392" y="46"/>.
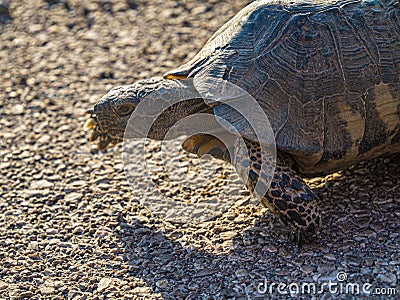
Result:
<point x="293" y="202"/>
<point x="287" y="196"/>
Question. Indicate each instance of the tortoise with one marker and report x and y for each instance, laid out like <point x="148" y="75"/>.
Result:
<point x="327" y="75"/>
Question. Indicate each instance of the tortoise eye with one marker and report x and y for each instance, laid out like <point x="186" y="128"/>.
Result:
<point x="124" y="109"/>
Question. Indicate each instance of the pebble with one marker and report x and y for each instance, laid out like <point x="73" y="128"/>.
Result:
<point x="78" y="230"/>
<point x="369" y="262"/>
<point x="330" y="256"/>
<point x="271" y="249"/>
<point x="390" y="279"/>
<point x="51" y="231"/>
<point x="25" y="295"/>
<point x="74" y="196"/>
<point x="162" y="283"/>
<point x="104" y="284"/>
<point x="33" y="245"/>
<point x="307" y="269"/>
<point x="65" y="245"/>
<point x="365" y="271"/>
<point x="241" y="272"/>
<point x="47" y="290"/>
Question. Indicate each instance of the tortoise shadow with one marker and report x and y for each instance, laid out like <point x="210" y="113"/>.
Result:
<point x="361" y="218"/>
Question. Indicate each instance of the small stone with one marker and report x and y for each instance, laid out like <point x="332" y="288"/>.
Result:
<point x="42" y="184"/>
<point x="331" y="276"/>
<point x="33" y="245"/>
<point x="3" y="285"/>
<point x="387" y="278"/>
<point x="33" y="193"/>
<point x="78" y="230"/>
<point x="72" y="269"/>
<point x="47" y="290"/>
<point x="65" y="244"/>
<point x="330" y="256"/>
<point x="369" y="262"/>
<point x="77" y="183"/>
<point x="104" y="284"/>
<point x="51" y="231"/>
<point x="18" y="107"/>
<point x="377" y="227"/>
<point x="353" y="260"/>
<point x="74" y="196"/>
<point x="241" y="272"/>
<point x="33" y="256"/>
<point x="365" y="271"/>
<point x="53" y="241"/>
<point x="21" y="223"/>
<point x="307" y="269"/>
<point x="162" y="283"/>
<point x="27" y="294"/>
<point x="85" y="246"/>
<point x="271" y="249"/>
<point x="206" y="272"/>
<point x="325" y="269"/>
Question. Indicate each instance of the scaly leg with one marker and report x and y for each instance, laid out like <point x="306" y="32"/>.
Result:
<point x="288" y="196"/>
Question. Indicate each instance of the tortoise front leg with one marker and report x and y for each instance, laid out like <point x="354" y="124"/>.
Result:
<point x="201" y="144"/>
<point x="288" y="196"/>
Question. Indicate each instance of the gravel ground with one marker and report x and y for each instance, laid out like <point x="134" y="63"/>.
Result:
<point x="71" y="227"/>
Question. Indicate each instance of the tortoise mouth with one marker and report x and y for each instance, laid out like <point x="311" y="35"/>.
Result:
<point x="97" y="134"/>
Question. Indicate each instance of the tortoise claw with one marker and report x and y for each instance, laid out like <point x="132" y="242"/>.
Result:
<point x="104" y="141"/>
<point x="94" y="135"/>
<point x="300" y="236"/>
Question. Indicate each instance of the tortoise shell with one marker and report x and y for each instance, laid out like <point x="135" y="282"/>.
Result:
<point x="326" y="73"/>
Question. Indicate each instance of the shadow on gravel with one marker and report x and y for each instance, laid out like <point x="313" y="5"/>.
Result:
<point x="360" y="232"/>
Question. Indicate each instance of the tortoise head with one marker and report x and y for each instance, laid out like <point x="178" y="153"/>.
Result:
<point x="113" y="111"/>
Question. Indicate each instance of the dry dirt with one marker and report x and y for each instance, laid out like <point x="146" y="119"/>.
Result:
<point x="71" y="227"/>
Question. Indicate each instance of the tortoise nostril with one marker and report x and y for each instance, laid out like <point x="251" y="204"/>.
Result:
<point x="102" y="105"/>
<point x="98" y="108"/>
